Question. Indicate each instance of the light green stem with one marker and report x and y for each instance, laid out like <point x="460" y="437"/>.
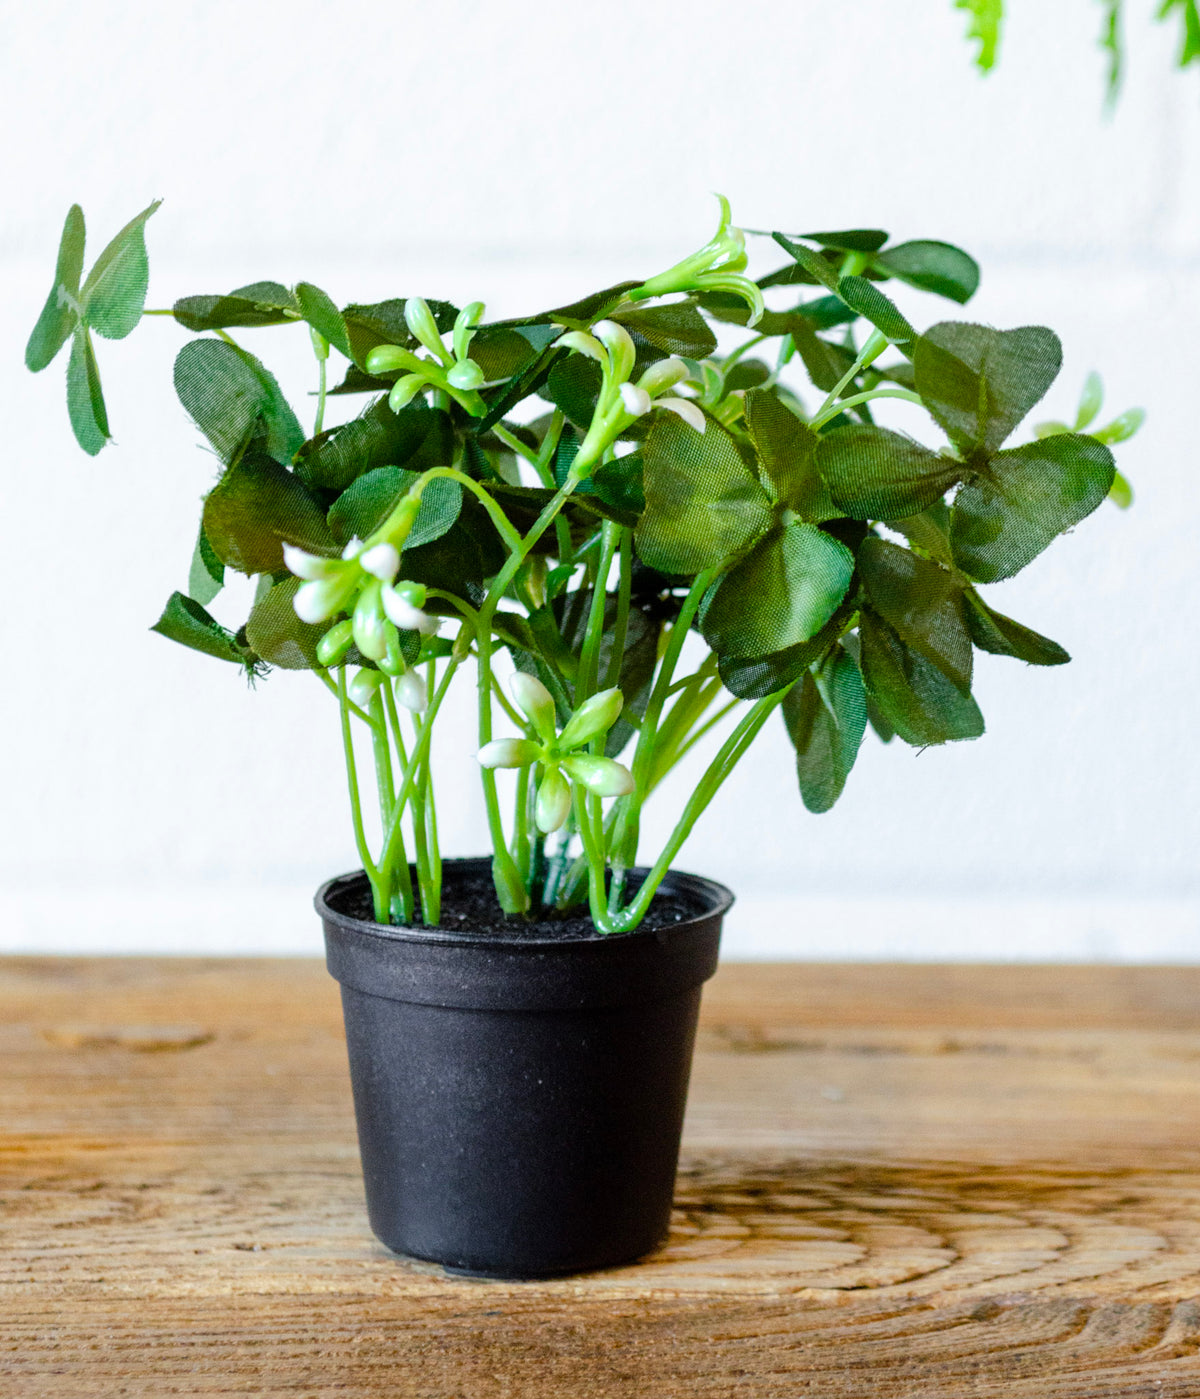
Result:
<point x="360" y="839"/>
<point x="826" y="415"/>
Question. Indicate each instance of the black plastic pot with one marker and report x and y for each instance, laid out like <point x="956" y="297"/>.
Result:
<point x="520" y="1103"/>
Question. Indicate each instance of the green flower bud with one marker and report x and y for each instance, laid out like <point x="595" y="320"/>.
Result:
<point x="603" y="777"/>
<point x="535" y="702"/>
<point x="594" y="717"/>
<point x="385" y="359"/>
<point x="393" y="662"/>
<point x="405" y="390"/>
<point x="419" y="319"/>
<point x="553" y="804"/>
<point x="619" y="344"/>
<point x="465" y="375"/>
<point x="320" y="599"/>
<point x="370" y="625"/>
<point x="335" y="643"/>
<point x="363" y="687"/>
<point x="464" y="328"/>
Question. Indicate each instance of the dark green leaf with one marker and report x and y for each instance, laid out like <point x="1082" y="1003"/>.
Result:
<point x="874" y="474"/>
<point x="850" y="240"/>
<point x="930" y="531"/>
<point x="979" y="382"/>
<point x="826" y="717"/>
<point x="115" y="291"/>
<point x="619" y="486"/>
<point x="574" y="386"/>
<point x="867" y="300"/>
<point x="85" y="401"/>
<point x="583" y="314"/>
<point x="755" y="677"/>
<point x="278" y="635"/>
<point x="320" y="312"/>
<point x="923" y="602"/>
<point x="912" y="695"/>
<point x="746" y="374"/>
<point x="530" y="380"/>
<point x="227" y="392"/>
<point x="377" y="437"/>
<point x="825" y="363"/>
<point x="59" y="315"/>
<point x="258" y="304"/>
<point x="787" y="449"/>
<point x="784" y="591"/>
<point x="185" y="621"/>
<point x="256" y="508"/>
<point x="818" y="268"/>
<point x="826" y="312"/>
<point x="703" y="503"/>
<point x="1000" y="635"/>
<point x="206" y="577"/>
<point x="675" y="329"/>
<point x="932" y="266"/>
<point x="1005" y="516"/>
<point x="502" y="351"/>
<point x="360" y="510"/>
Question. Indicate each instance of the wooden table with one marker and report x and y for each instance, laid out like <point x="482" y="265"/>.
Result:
<point x="897" y="1181"/>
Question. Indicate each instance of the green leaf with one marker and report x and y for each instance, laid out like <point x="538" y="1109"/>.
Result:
<point x="850" y="240"/>
<point x="206" y="577"/>
<point x="703" y="503"/>
<point x="257" y="304"/>
<point x="1004" y="517"/>
<point x="360" y="510"/>
<point x="937" y="267"/>
<point x="874" y="474"/>
<point x="824" y="362"/>
<point x="675" y="329"/>
<point x="986" y="19"/>
<point x="383" y="323"/>
<point x="756" y="677"/>
<point x="979" y="383"/>
<point x="584" y="313"/>
<point x="867" y="300"/>
<point x="820" y="269"/>
<point x="787" y="449"/>
<point x="377" y="437"/>
<point x="923" y="602"/>
<point x="826" y="312"/>
<point x="502" y="351"/>
<point x="784" y="591"/>
<point x="619" y="486"/>
<point x="1091" y="400"/>
<point x="530" y="380"/>
<point x="912" y="695"/>
<point x="930" y="531"/>
<point x="59" y="315"/>
<point x="1122" y="427"/>
<point x="85" y="401"/>
<point x="324" y="317"/>
<point x="278" y="635"/>
<point x="257" y="507"/>
<point x="115" y="291"/>
<point x="826" y="717"/>
<point x="227" y="392"/>
<point x="1000" y="635"/>
<point x="184" y="620"/>
<point x="1120" y="492"/>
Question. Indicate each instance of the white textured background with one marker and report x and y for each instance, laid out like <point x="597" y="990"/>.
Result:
<point x="526" y="155"/>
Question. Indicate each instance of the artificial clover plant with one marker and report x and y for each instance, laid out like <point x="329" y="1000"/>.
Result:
<point x="664" y="540"/>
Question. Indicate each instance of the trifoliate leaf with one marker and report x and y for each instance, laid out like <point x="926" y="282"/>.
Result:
<point x="228" y="392"/>
<point x="914" y="697"/>
<point x="923" y="602"/>
<point x="114" y="294"/>
<point x="874" y="474"/>
<point x="932" y="266"/>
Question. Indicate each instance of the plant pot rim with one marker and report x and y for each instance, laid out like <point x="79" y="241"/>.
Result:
<point x="437" y="967"/>
<point x="716" y="901"/>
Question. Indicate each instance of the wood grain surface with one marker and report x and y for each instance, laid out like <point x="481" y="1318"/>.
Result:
<point x="897" y="1181"/>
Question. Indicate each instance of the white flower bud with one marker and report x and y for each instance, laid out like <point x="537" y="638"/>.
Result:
<point x="402" y="612"/>
<point x="535" y="702"/>
<point x="636" y="400"/>
<point x="685" y="410"/>
<point x="381" y="561"/>
<point x="603" y="777"/>
<point x="553" y="804"/>
<point x="319" y="599"/>
<point x="370" y="629"/>
<point x="411" y="692"/>
<point x="619" y="344"/>
<point x="508" y="753"/>
<point x="353" y="549"/>
<point x="585" y="344"/>
<point x="306" y="565"/>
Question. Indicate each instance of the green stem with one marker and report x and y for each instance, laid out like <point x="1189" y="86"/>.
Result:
<point x="710" y="784"/>
<point x="827" y="414"/>
<point x="323" y="677"/>
<point x="320" y="419"/>
<point x="595" y="863"/>
<point x="360" y="839"/>
<point x="875" y="345"/>
<point x="621" y="625"/>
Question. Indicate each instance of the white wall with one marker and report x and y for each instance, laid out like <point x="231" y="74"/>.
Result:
<point x="527" y="154"/>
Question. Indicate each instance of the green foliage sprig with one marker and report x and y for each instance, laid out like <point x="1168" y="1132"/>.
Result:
<point x="669" y="542"/>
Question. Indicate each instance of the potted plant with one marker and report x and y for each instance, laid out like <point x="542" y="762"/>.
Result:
<point x="636" y="544"/>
